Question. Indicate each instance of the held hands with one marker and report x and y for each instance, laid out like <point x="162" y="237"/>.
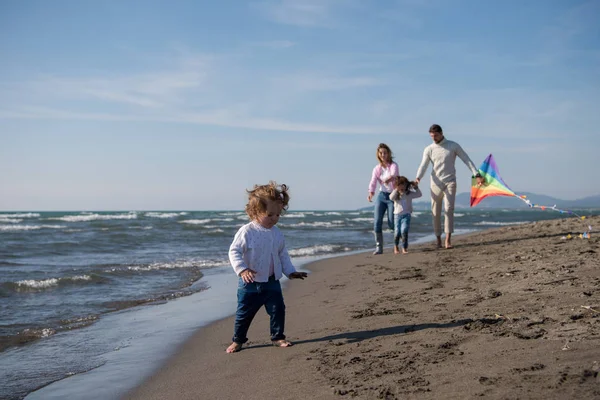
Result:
<point x="480" y="180"/>
<point x="417" y="181"/>
<point x="370" y="197"/>
<point x="297" y="275"/>
<point x="247" y="275"/>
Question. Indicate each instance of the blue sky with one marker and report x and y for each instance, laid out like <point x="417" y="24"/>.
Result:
<point x="135" y="105"/>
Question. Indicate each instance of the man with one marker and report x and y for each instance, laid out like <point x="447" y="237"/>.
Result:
<point x="442" y="155"/>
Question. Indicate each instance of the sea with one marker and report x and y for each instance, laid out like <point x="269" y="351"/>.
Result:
<point x="91" y="303"/>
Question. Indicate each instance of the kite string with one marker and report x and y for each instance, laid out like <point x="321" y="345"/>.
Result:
<point x="554" y="208"/>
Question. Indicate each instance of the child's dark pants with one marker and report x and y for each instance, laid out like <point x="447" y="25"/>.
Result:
<point x="251" y="297"/>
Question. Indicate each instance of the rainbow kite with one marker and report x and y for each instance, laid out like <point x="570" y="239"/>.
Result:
<point x="495" y="186"/>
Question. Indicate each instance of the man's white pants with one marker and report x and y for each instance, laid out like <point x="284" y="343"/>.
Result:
<point x="446" y="193"/>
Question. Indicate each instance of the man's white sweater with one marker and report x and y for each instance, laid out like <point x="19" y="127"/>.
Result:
<point x="443" y="156"/>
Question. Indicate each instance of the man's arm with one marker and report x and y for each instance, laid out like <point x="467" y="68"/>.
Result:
<point x="465" y="158"/>
<point x="424" y="164"/>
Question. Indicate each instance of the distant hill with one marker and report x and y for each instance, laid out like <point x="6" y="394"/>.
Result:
<point x="463" y="201"/>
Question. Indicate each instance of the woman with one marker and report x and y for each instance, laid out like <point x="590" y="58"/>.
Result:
<point x="384" y="173"/>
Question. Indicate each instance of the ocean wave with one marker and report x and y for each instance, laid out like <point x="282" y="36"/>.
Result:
<point x="316" y="224"/>
<point x="295" y="215"/>
<point x="25" y="336"/>
<point x="21" y="215"/>
<point x="318" y="249"/>
<point x="495" y="223"/>
<point x="157" y="266"/>
<point x="8" y="220"/>
<point x="361" y="219"/>
<point x="196" y="221"/>
<point x="28" y="227"/>
<point x="33" y="285"/>
<point x="459" y="215"/>
<point x="163" y="214"/>
<point x="31" y="334"/>
<point x="85" y="217"/>
<point x="333" y="213"/>
<point x="214" y="231"/>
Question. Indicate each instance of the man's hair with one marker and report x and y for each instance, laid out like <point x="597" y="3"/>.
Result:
<point x="261" y="194"/>
<point x="435" y="128"/>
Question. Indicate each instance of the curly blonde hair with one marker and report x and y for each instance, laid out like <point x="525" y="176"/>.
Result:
<point x="261" y="194"/>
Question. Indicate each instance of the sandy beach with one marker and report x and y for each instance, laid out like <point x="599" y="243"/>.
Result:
<point x="508" y="313"/>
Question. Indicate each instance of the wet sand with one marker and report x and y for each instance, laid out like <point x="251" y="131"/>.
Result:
<point x="508" y="313"/>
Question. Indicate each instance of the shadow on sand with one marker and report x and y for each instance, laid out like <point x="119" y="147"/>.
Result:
<point x="359" y="336"/>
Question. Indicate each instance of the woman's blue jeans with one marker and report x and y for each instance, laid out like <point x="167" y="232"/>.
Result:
<point x="401" y="231"/>
<point x="251" y="297"/>
<point x="383" y="204"/>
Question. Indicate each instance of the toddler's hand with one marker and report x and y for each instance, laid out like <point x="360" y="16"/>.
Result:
<point x="247" y="275"/>
<point x="297" y="275"/>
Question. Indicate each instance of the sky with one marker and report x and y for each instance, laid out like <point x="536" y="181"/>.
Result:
<point x="183" y="105"/>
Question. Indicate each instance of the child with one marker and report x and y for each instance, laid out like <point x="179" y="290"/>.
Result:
<point x="259" y="257"/>
<point x="403" y="197"/>
<point x="384" y="173"/>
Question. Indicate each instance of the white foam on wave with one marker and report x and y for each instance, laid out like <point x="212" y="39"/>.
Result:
<point x="495" y="223"/>
<point x="232" y="214"/>
<point x="296" y="215"/>
<point x="361" y="219"/>
<point x="333" y="213"/>
<point x="312" y="250"/>
<point x="163" y="214"/>
<point x="28" y="227"/>
<point x="459" y="215"/>
<point x="315" y="224"/>
<point x="215" y="231"/>
<point x="196" y="221"/>
<point x="20" y="215"/>
<point x="85" y="217"/>
<point x="7" y="220"/>
<point x="175" y="265"/>
<point x="38" y="284"/>
<point x="416" y="214"/>
<point x="46" y="283"/>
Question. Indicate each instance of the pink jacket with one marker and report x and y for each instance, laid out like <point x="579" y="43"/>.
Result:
<point x="380" y="174"/>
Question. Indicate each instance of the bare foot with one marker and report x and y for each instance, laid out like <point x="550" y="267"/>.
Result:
<point x="396" y="250"/>
<point x="439" y="242"/>
<point x="282" y="343"/>
<point x="404" y="251"/>
<point x="234" y="347"/>
<point x="448" y="241"/>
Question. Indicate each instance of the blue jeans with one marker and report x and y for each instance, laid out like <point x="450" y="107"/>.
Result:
<point x="383" y="204"/>
<point x="401" y="231"/>
<point x="251" y="297"/>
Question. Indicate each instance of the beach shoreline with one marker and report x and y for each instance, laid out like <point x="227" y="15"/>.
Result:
<point x="511" y="311"/>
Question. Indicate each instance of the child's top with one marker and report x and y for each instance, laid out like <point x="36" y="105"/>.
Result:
<point x="257" y="248"/>
<point x="403" y="202"/>
<point x="381" y="174"/>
